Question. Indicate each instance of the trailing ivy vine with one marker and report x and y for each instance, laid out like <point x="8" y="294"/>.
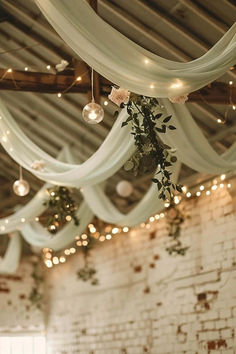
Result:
<point x="36" y="294"/>
<point x="88" y="272"/>
<point x="151" y="154"/>
<point x="175" y="218"/>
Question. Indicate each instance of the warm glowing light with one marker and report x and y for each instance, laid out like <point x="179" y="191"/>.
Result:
<point x="177" y="84"/>
<point x="202" y="188"/>
<point x="68" y="218"/>
<point x="151" y="219"/>
<point x="102" y="238"/>
<point x="162" y="215"/>
<point x="222" y="185"/>
<point x="214" y="187"/>
<point x="146" y="61"/>
<point x="84" y="243"/>
<point x="48" y="263"/>
<point x="26" y="68"/>
<point x="184" y="189"/>
<point x="6" y="221"/>
<point x="152" y="86"/>
<point x="219" y="120"/>
<point x="84" y="236"/>
<point x="115" y="230"/>
<point x="55" y="260"/>
<point x="48" y="67"/>
<point x="79" y="243"/>
<point x="208" y="192"/>
<point x="9" y="70"/>
<point x="22" y="219"/>
<point x="234" y="107"/>
<point x="72" y="250"/>
<point x="157" y="217"/>
<point x="108" y="236"/>
<point x="59" y="94"/>
<point x="62" y="259"/>
<point x="222" y="177"/>
<point x="176" y="199"/>
<point x="198" y="194"/>
<point x="79" y="78"/>
<point x="125" y="229"/>
<point x="67" y="252"/>
<point x="105" y="103"/>
<point x="36" y="218"/>
<point x="92" y="229"/>
<point x="143" y="224"/>
<point x="229" y="185"/>
<point x="167" y="204"/>
<point x="188" y="195"/>
<point x="48" y="255"/>
<point x="230" y="82"/>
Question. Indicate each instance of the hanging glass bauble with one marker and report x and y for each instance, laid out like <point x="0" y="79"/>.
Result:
<point x="21" y="187"/>
<point x="124" y="188"/>
<point x="93" y="113"/>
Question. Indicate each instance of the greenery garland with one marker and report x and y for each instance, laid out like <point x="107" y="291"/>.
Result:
<point x="152" y="154"/>
<point x="36" y="295"/>
<point x="62" y="206"/>
<point x="175" y="218"/>
<point x="88" y="272"/>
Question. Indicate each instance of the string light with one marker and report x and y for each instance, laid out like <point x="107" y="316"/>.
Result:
<point x="83" y="240"/>
<point x="219" y="120"/>
<point x="9" y="70"/>
<point x="26" y="68"/>
<point x="230" y="82"/>
<point x="105" y="103"/>
<point x="48" y="67"/>
<point x="59" y="94"/>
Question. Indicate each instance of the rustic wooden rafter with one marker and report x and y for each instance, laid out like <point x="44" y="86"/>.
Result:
<point x="25" y="81"/>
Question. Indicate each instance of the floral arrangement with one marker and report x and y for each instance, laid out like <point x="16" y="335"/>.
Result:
<point x="62" y="207"/>
<point x="146" y="117"/>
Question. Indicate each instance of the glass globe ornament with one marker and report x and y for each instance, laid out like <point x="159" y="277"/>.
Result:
<point x="21" y="187"/>
<point x="93" y="113"/>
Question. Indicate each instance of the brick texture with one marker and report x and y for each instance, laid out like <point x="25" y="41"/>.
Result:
<point x="148" y="301"/>
<point x="17" y="314"/>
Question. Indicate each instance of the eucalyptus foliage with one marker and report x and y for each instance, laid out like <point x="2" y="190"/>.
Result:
<point x="152" y="154"/>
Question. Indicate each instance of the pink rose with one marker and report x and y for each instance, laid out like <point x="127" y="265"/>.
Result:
<point x="119" y="96"/>
<point x="37" y="165"/>
<point x="179" y="99"/>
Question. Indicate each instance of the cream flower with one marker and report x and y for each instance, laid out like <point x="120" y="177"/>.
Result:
<point x="119" y="96"/>
<point x="179" y="99"/>
<point x="62" y="65"/>
<point x="37" y="165"/>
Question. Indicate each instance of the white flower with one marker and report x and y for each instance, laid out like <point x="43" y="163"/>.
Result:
<point x="179" y="99"/>
<point x="119" y="96"/>
<point x="37" y="165"/>
<point x="62" y="65"/>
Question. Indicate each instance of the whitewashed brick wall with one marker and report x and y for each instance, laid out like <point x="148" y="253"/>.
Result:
<point x="148" y="301"/>
<point x="17" y="314"/>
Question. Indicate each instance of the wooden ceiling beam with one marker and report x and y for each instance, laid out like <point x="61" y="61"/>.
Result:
<point x="25" y="81"/>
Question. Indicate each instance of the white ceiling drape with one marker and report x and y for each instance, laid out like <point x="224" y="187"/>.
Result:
<point x="127" y="64"/>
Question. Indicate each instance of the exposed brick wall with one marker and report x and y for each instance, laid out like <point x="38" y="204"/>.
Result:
<point x="148" y="301"/>
<point x="17" y="314"/>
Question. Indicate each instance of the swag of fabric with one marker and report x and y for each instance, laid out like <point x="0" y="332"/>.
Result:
<point x="138" y="70"/>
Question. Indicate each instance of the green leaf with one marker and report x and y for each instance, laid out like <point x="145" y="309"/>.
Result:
<point x="166" y="120"/>
<point x="124" y="124"/>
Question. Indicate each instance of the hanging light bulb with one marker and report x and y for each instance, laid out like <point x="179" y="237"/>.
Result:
<point x="21" y="187"/>
<point x="93" y="113"/>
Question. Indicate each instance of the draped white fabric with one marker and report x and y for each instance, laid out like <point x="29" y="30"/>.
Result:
<point x="109" y="158"/>
<point x="127" y="64"/>
<point x="192" y="147"/>
<point x="10" y="261"/>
